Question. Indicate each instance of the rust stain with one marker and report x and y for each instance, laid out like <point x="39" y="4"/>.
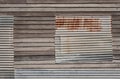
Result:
<point x="90" y="24"/>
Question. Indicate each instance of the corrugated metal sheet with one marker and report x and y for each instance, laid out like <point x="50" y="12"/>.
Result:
<point x="83" y="39"/>
<point x="67" y="74"/>
<point x="6" y="47"/>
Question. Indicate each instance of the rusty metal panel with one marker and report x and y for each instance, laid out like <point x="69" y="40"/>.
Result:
<point x="83" y="39"/>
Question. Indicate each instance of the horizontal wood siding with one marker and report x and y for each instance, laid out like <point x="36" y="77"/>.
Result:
<point x="67" y="73"/>
<point x="6" y="48"/>
<point x="57" y="1"/>
<point x="34" y="32"/>
<point x="34" y="39"/>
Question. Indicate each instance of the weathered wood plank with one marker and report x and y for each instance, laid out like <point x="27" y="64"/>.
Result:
<point x="35" y="58"/>
<point x="33" y="31"/>
<point x="59" y="9"/>
<point x="75" y="1"/>
<point x="40" y="49"/>
<point x="67" y="73"/>
<point x="116" y="22"/>
<point x="34" y="62"/>
<point x="42" y="40"/>
<point x="69" y="66"/>
<point x="34" y="27"/>
<point x="35" y="22"/>
<point x="52" y="14"/>
<point x="57" y="5"/>
<point x="26" y="14"/>
<point x="33" y="18"/>
<point x="12" y="1"/>
<point x="34" y="45"/>
<point x="34" y="35"/>
<point x="46" y="52"/>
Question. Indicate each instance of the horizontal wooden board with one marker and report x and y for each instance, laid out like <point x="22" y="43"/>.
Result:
<point x="42" y="40"/>
<point x="67" y="73"/>
<point x="34" y="44"/>
<point x="33" y="31"/>
<point x="58" y="5"/>
<point x="34" y="48"/>
<point x="46" y="52"/>
<point x="35" y="22"/>
<point x="33" y="18"/>
<point x="34" y="35"/>
<point x="70" y="66"/>
<point x="12" y="1"/>
<point x="35" y="58"/>
<point x="45" y="62"/>
<point x="34" y="27"/>
<point x="71" y="1"/>
<point x="59" y="9"/>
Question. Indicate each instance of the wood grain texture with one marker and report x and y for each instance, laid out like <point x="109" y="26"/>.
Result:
<point x="116" y="34"/>
<point x="6" y="47"/>
<point x="75" y="1"/>
<point x="70" y="66"/>
<point x="59" y="9"/>
<point x="67" y="73"/>
<point x="34" y="30"/>
<point x="22" y="30"/>
<point x="59" y="5"/>
<point x="12" y="1"/>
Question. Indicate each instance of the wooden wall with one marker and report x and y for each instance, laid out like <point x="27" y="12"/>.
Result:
<point x="34" y="30"/>
<point x="6" y="47"/>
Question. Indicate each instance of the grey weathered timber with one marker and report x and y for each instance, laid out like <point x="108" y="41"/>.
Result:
<point x="58" y="5"/>
<point x="56" y="1"/>
<point x="59" y="9"/>
<point x="67" y="73"/>
<point x="6" y="47"/>
<point x="75" y="1"/>
<point x="34" y="36"/>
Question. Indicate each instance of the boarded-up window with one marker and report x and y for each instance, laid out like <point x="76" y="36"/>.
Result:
<point x="83" y="39"/>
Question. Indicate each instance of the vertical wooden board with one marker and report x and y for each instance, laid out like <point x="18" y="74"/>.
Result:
<point x="6" y="47"/>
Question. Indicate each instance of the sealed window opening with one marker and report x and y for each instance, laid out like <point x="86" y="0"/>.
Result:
<point x="83" y="39"/>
